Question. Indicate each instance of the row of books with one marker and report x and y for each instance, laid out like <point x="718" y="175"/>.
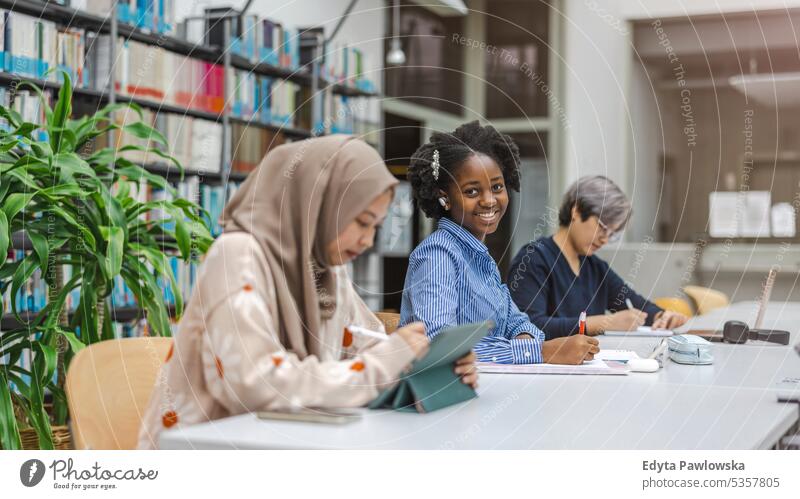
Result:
<point x="154" y="16"/>
<point x="348" y="115"/>
<point x="344" y="64"/>
<point x="264" y="99"/>
<point x="28" y="105"/>
<point x="35" y="48"/>
<point x="149" y="72"/>
<point x="32" y="297"/>
<point x="211" y="198"/>
<point x="250" y="145"/>
<point x="196" y="143"/>
<point x="258" y="40"/>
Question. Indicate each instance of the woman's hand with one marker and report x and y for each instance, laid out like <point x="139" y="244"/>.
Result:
<point x="668" y="319"/>
<point x="570" y="350"/>
<point x="466" y="369"/>
<point x="414" y="335"/>
<point x="624" y="320"/>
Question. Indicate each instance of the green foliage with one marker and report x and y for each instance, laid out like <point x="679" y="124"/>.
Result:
<point x="76" y="210"/>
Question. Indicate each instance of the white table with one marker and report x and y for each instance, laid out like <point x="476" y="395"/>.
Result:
<point x="728" y="405"/>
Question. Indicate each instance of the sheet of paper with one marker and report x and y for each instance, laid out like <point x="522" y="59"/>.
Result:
<point x="723" y="211"/>
<point x="755" y="209"/>
<point x="646" y="331"/>
<point x="595" y="366"/>
<point x="783" y="220"/>
<point x="616" y="355"/>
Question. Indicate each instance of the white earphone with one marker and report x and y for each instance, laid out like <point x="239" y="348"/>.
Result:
<point x="443" y="202"/>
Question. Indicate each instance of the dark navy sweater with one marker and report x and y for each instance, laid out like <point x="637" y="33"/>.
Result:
<point x="543" y="285"/>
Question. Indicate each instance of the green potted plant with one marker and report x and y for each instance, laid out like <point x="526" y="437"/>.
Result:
<point x="76" y="209"/>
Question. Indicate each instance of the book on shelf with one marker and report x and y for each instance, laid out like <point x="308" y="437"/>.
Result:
<point x="36" y="48"/>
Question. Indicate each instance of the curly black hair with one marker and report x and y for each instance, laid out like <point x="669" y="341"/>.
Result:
<point x="454" y="148"/>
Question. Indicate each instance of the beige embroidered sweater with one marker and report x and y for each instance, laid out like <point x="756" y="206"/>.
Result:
<point x="226" y="357"/>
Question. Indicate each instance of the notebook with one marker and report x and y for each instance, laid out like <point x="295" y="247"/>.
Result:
<point x="596" y="366"/>
<point x="645" y="331"/>
<point x="616" y="355"/>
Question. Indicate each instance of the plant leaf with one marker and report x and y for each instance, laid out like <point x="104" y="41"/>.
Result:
<point x="142" y="130"/>
<point x="116" y="242"/>
<point x="4" y="237"/>
<point x="74" y="343"/>
<point x="15" y="202"/>
<point x="9" y="432"/>
<point x="61" y="113"/>
<point x="41" y="248"/>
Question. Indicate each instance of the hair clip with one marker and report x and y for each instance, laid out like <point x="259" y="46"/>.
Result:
<point x="435" y="164"/>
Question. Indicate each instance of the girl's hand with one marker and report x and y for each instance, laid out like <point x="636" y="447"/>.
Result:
<point x="414" y="335"/>
<point x="570" y="350"/>
<point x="669" y="320"/>
<point x="465" y="367"/>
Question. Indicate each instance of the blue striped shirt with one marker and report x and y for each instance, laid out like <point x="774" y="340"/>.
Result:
<point x="453" y="280"/>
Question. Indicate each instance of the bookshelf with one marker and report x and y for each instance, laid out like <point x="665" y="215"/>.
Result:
<point x="65" y="16"/>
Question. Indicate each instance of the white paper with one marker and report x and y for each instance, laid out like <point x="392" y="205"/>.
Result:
<point x="783" y="220"/>
<point x="642" y="331"/>
<point x="595" y="366"/>
<point x="722" y="214"/>
<point x="616" y="355"/>
<point x="755" y="211"/>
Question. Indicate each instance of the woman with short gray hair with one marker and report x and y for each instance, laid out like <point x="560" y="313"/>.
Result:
<point x="556" y="278"/>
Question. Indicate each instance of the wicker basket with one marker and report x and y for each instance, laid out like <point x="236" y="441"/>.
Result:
<point x="62" y="439"/>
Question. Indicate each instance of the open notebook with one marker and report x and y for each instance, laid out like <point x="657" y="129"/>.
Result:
<point x="646" y="331"/>
<point x="596" y="366"/>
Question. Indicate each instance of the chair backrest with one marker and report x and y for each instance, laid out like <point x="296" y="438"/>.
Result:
<point x="391" y="321"/>
<point x="108" y="387"/>
<point x="706" y="299"/>
<point x="675" y="304"/>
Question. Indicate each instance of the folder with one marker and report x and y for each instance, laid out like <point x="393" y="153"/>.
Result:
<point x="430" y="383"/>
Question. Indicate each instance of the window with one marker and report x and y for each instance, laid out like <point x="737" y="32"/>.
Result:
<point x="431" y="75"/>
<point x="516" y="69"/>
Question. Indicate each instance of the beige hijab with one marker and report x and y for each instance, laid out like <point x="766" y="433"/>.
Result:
<point x="298" y="200"/>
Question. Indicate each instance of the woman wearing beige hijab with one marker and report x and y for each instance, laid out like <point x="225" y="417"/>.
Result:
<point x="264" y="328"/>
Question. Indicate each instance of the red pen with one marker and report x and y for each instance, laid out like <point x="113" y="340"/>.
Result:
<point x="582" y="323"/>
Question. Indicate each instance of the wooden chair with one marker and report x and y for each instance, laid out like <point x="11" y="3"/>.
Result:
<point x="390" y="320"/>
<point x="706" y="299"/>
<point x="108" y="387"/>
<point x="675" y="304"/>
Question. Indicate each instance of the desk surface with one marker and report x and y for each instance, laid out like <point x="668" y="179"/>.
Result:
<point x="727" y="405"/>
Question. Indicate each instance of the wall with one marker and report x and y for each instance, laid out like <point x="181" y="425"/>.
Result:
<point x="617" y="128"/>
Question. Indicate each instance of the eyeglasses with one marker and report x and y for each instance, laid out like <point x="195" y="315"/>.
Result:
<point x="613" y="236"/>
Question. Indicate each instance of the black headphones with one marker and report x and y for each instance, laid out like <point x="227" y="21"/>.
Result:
<point x="739" y="332"/>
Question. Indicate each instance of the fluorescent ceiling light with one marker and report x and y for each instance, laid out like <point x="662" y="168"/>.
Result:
<point x="770" y="89"/>
<point x="444" y="8"/>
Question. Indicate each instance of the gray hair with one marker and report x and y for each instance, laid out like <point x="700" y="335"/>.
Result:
<point x="599" y="196"/>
